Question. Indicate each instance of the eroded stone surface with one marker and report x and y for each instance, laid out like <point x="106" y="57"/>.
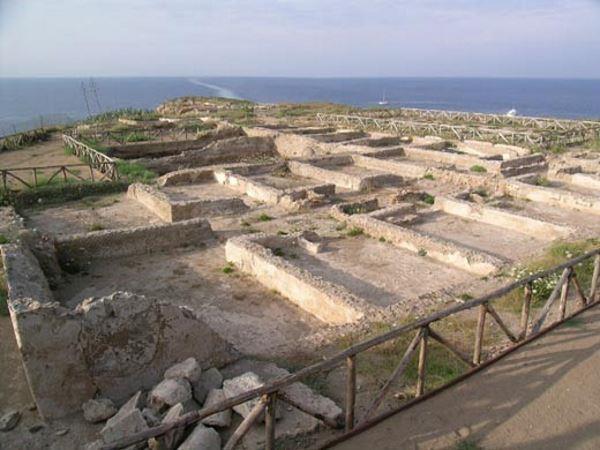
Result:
<point x="97" y="410"/>
<point x="169" y="392"/>
<point x="188" y="369"/>
<point x="202" y="438"/>
<point x="221" y="419"/>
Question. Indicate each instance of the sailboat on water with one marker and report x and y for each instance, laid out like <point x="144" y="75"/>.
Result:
<point x="383" y="101"/>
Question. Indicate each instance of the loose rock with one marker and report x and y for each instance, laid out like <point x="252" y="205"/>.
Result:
<point x="209" y="379"/>
<point x="130" y="423"/>
<point x="188" y="369"/>
<point x="202" y="438"/>
<point x="97" y="410"/>
<point x="9" y="420"/>
<point x="221" y="419"/>
<point x="243" y="383"/>
<point x="170" y="392"/>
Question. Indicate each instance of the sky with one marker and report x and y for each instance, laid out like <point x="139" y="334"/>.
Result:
<point x="300" y="38"/>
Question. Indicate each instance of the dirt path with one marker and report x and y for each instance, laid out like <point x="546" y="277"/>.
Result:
<point x="545" y="395"/>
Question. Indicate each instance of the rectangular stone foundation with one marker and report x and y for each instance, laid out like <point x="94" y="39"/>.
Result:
<point x="328" y="302"/>
<point x="493" y="216"/>
<point x="372" y="221"/>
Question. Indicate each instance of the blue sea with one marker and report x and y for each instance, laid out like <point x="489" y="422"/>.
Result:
<point x="28" y="102"/>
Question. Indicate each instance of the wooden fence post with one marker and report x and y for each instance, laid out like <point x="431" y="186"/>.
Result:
<point x="422" y="361"/>
<point x="526" y="310"/>
<point x="595" y="276"/>
<point x="479" y="334"/>
<point x="564" y="294"/>
<point x="350" y="391"/>
<point x="270" y="422"/>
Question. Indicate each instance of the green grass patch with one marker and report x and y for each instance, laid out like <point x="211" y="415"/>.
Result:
<point x="428" y="176"/>
<point x="355" y="231"/>
<point x="557" y="254"/>
<point x="478" y="169"/>
<point x="228" y="269"/>
<point x="134" y="172"/>
<point x="264" y="218"/>
<point x="137" y="137"/>
<point x="428" y="199"/>
<point x="422" y="252"/>
<point x="542" y="181"/>
<point x="4" y="239"/>
<point x="376" y="364"/>
<point x="59" y="193"/>
<point x="467" y="445"/>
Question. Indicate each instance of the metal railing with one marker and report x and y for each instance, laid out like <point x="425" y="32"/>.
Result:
<point x="99" y="161"/>
<point x="462" y="132"/>
<point x="530" y="326"/>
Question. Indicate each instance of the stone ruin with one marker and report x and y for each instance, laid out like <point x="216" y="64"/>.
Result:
<point x="376" y="228"/>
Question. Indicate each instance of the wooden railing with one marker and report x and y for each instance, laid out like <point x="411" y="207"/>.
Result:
<point x="531" y="326"/>
<point x="99" y="161"/>
<point x="462" y="132"/>
<point x="45" y="175"/>
<point x="539" y="123"/>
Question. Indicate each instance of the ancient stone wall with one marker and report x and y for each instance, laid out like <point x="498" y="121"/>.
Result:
<point x="77" y="250"/>
<point x="219" y="152"/>
<point x="439" y="249"/>
<point x="111" y="346"/>
<point x="510" y="220"/>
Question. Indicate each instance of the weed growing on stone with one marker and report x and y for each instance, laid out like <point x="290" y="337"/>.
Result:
<point x="355" y="231"/>
<point x="278" y="251"/>
<point x="422" y="252"/>
<point x="467" y="445"/>
<point x="478" y="169"/>
<point x="542" y="181"/>
<point x="428" y="176"/>
<point x="264" y="218"/>
<point x="429" y="199"/>
<point x="229" y="268"/>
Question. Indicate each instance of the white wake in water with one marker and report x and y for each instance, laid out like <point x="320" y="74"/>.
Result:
<point x="219" y="90"/>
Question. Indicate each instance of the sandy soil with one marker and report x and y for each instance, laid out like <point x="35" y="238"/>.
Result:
<point x="256" y="320"/>
<point x="543" y="396"/>
<point x="587" y="224"/>
<point x="286" y="182"/>
<point x="378" y="272"/>
<point x="200" y="191"/>
<point x="506" y="244"/>
<point x="48" y="153"/>
<point x="89" y="214"/>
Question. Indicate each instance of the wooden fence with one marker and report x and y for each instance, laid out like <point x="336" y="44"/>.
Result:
<point x="537" y="123"/>
<point x="99" y="161"/>
<point x="461" y="132"/>
<point x="45" y="175"/>
<point x="531" y="326"/>
<point x="149" y="135"/>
